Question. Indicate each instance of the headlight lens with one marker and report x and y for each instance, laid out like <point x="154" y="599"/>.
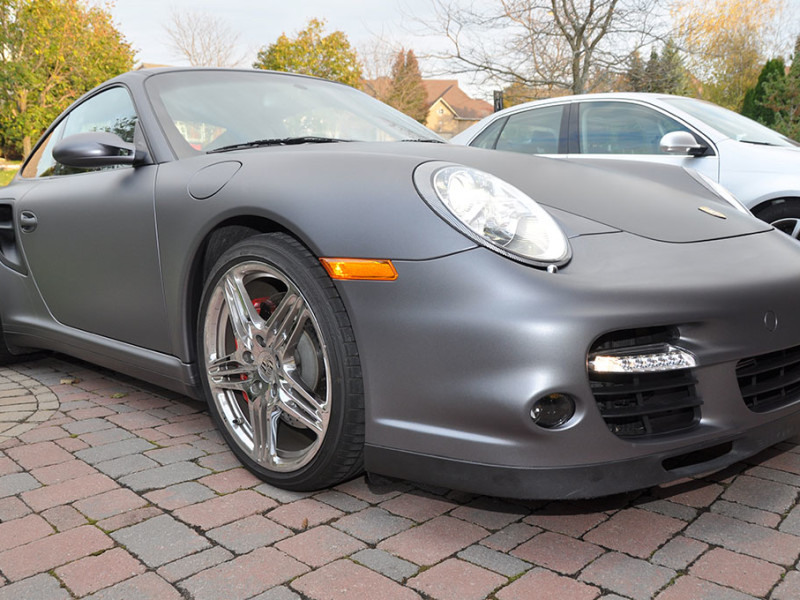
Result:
<point x="496" y="213"/>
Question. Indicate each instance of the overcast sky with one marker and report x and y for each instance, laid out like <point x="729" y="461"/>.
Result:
<point x="260" y="22"/>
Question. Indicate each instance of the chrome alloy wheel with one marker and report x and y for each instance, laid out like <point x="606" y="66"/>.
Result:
<point x="790" y="226"/>
<point x="267" y="366"/>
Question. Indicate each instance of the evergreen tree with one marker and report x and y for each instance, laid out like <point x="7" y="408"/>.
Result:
<point x="636" y="74"/>
<point x="782" y="95"/>
<point x="407" y="93"/>
<point x="753" y="106"/>
<point x="673" y="79"/>
<point x="652" y="73"/>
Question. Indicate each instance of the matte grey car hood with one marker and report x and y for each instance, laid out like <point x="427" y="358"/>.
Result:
<point x="655" y="201"/>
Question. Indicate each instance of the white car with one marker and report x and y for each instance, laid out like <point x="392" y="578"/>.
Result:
<point x="758" y="165"/>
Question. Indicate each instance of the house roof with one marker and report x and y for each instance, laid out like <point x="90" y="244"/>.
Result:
<point x="447" y="90"/>
<point x="462" y="105"/>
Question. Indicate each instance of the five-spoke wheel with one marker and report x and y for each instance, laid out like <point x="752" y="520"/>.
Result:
<point x="272" y="343"/>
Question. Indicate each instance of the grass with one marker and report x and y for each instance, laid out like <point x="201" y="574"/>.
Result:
<point x="7" y="174"/>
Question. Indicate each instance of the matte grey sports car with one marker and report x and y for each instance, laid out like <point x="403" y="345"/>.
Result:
<point x="349" y="293"/>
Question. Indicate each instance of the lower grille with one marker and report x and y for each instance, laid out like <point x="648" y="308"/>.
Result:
<point x="640" y="405"/>
<point x="770" y="381"/>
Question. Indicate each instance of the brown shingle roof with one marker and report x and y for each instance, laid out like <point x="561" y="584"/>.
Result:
<point x="464" y="106"/>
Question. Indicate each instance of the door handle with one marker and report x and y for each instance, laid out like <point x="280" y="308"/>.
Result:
<point x="28" y="221"/>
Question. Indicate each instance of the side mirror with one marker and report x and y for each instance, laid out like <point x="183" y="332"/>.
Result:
<point x="95" y="149"/>
<point x="683" y="143"/>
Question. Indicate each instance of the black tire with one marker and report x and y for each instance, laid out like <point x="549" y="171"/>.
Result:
<point x="283" y="377"/>
<point x="783" y="215"/>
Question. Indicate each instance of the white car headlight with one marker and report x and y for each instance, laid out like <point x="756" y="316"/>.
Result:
<point x="498" y="215"/>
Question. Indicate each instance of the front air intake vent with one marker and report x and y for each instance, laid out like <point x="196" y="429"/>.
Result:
<point x="770" y="381"/>
<point x="641" y="405"/>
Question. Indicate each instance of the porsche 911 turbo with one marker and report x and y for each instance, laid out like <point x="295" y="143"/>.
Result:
<point x="349" y="293"/>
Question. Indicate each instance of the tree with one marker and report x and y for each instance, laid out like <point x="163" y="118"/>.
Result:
<point x="52" y="52"/>
<point x="753" y="105"/>
<point x="782" y="95"/>
<point x="203" y="40"/>
<point x="572" y="45"/>
<point x="637" y="73"/>
<point x="407" y="93"/>
<point x="312" y="53"/>
<point x="726" y="41"/>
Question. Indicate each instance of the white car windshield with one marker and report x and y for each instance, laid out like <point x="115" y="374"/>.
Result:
<point x="729" y="123"/>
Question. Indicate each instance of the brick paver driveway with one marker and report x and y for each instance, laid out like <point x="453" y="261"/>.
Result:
<point x="111" y="489"/>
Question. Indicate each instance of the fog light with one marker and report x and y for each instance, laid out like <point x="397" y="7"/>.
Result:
<point x="553" y="410"/>
<point x="650" y="359"/>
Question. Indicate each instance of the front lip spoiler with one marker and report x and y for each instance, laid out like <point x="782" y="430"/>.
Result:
<point x="580" y="481"/>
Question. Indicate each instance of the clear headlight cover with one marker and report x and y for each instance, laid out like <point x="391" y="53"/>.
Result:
<point x="500" y="215"/>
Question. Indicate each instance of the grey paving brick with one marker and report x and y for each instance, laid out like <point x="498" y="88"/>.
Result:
<point x="125" y="465"/>
<point x="38" y="587"/>
<point x="148" y="586"/>
<point x="188" y="566"/>
<point x="386" y="564"/>
<point x="180" y="495"/>
<point x="745" y="513"/>
<point x="278" y="593"/>
<point x="630" y="577"/>
<point x="160" y="540"/>
<point x="106" y="436"/>
<point x="344" y="502"/>
<point x="372" y="524"/>
<point x="105" y="452"/>
<point x="493" y="560"/>
<point x="775" y="475"/>
<point x="670" y="509"/>
<point x="162" y="477"/>
<point x="248" y="534"/>
<point x="173" y="454"/>
<point x="761" y="493"/>
<point x="282" y="496"/>
<point x="791" y="524"/>
<point x="679" y="553"/>
<point x="16" y="483"/>
<point x="87" y="425"/>
<point x="510" y="537"/>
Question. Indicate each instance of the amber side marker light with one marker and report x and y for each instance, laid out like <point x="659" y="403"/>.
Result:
<point x="359" y="269"/>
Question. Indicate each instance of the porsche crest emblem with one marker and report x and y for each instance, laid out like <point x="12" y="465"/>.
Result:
<point x="712" y="212"/>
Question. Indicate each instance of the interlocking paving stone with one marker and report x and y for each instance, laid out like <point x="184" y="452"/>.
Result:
<point x="456" y="580"/>
<point x="345" y="580"/>
<point x="160" y="540"/>
<point x="627" y="576"/>
<point x="386" y="564"/>
<point x="722" y="537"/>
<point x="745" y="538"/>
<point x="161" y="477"/>
<point x="541" y="583"/>
<point x="245" y="576"/>
<point x="38" y="587"/>
<point x="496" y="561"/>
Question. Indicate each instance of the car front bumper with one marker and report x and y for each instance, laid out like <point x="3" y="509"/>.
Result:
<point x="457" y="350"/>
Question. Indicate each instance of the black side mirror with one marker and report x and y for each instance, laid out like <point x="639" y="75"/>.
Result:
<point x="96" y="149"/>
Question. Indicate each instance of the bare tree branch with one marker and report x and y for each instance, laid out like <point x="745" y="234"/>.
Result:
<point x="203" y="40"/>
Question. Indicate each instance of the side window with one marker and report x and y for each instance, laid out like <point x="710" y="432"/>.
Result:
<point x="488" y="137"/>
<point x="110" y="111"/>
<point x="535" y="131"/>
<point x="623" y="128"/>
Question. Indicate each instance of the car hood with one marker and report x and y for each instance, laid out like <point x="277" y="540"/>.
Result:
<point x="660" y="202"/>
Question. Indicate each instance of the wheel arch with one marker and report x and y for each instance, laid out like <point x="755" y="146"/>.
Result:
<point x="767" y="203"/>
<point x="223" y="236"/>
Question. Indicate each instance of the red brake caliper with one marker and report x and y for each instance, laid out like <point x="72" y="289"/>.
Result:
<point x="260" y="304"/>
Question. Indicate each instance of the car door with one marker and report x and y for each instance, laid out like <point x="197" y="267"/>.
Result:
<point x="615" y="129"/>
<point x="540" y="130"/>
<point x="89" y="236"/>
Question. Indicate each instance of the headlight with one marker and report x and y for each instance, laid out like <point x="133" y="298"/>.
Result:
<point x="720" y="190"/>
<point x="495" y="214"/>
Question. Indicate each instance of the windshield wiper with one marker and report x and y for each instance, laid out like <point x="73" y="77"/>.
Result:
<point x="288" y="141"/>
<point x="756" y="143"/>
<point x="424" y="140"/>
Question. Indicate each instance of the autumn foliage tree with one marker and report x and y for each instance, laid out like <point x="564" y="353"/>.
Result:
<point x="407" y="93"/>
<point x="52" y="52"/>
<point x="313" y="53"/>
<point x="726" y="43"/>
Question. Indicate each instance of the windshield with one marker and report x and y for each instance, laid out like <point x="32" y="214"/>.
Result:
<point x="206" y="110"/>
<point x="729" y="123"/>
